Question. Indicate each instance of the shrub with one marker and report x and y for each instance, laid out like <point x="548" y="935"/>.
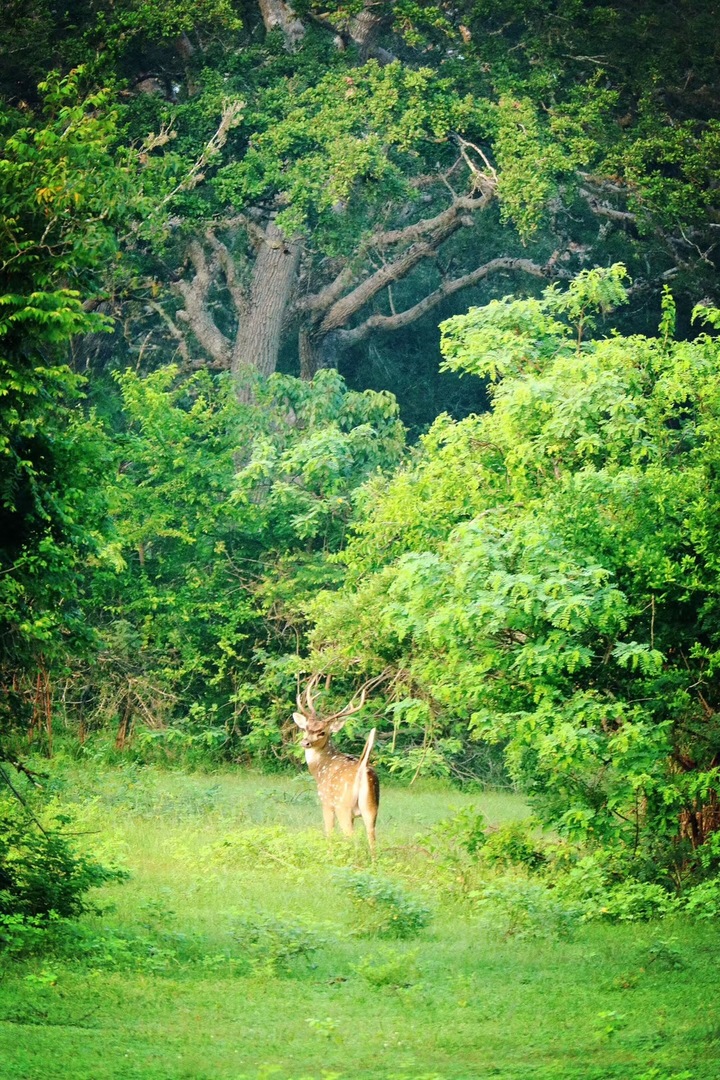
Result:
<point x="636" y="901"/>
<point x="514" y="844"/>
<point x="522" y="908"/>
<point x="391" y="968"/>
<point x="383" y="907"/>
<point x="271" y="945"/>
<point x="41" y="872"/>
<point x="465" y="830"/>
<point x="703" y="900"/>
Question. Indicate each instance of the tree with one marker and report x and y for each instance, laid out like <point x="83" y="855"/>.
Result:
<point x="343" y="211"/>
<point x="391" y="157"/>
<point x="60" y="203"/>
<point x="564" y="602"/>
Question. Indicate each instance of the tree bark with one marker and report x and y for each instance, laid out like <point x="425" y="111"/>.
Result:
<point x="386" y="323"/>
<point x="196" y="314"/>
<point x="257" y="343"/>
<point x="278" y="15"/>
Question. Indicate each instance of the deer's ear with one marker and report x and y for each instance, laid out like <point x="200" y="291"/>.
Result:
<point x="335" y="725"/>
<point x="300" y="720"/>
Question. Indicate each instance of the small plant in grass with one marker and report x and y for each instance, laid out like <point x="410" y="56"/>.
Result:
<point x="325" y="1027"/>
<point x="609" y="1023"/>
<point x="383" y="907"/>
<point x="627" y="981"/>
<point x="391" y="968"/>
<point x="271" y="945"/>
<point x="664" y="953"/>
<point x="521" y="908"/>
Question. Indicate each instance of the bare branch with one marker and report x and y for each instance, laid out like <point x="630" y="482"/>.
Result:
<point x="195" y="314"/>
<point x="405" y="318"/>
<point x="603" y="209"/>
<point x="481" y="178"/>
<point x="231" y="116"/>
<point x="428" y="226"/>
<point x="429" y="234"/>
<point x="174" y="329"/>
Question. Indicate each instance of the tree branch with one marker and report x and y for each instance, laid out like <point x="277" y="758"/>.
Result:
<point x="425" y="237"/>
<point x="602" y="209"/>
<point x="226" y="263"/>
<point x="195" y="314"/>
<point x="174" y="330"/>
<point x="401" y="319"/>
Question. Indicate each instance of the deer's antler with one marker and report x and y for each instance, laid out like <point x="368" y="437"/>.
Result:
<point x="307" y="708"/>
<point x="363" y="691"/>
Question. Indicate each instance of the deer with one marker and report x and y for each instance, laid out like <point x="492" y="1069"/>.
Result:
<point x="348" y="787"/>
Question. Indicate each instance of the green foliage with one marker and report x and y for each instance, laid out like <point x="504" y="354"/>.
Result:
<point x="513" y="844"/>
<point x="390" y="968"/>
<point x="555" y="608"/>
<point x="347" y="133"/>
<point x="271" y="946"/>
<point x="526" y="909"/>
<point x="703" y="900"/>
<point x="42" y="874"/>
<point x="225" y="515"/>
<point x="383" y="907"/>
<point x="66" y="191"/>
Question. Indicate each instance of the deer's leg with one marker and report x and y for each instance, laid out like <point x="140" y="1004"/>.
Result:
<point x="328" y="819"/>
<point x="345" y="819"/>
<point x="369" y="815"/>
<point x="368" y="800"/>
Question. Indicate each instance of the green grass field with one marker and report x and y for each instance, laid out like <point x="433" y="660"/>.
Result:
<point x="234" y="951"/>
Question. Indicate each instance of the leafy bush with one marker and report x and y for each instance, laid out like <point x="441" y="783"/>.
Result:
<point x="703" y="900"/>
<point x="509" y="569"/>
<point x="271" y="945"/>
<point x="390" y="968"/>
<point x="513" y="844"/>
<point x="637" y="901"/>
<point x="41" y="872"/>
<point x="465" y="830"/>
<point x="521" y="908"/>
<point x="382" y="907"/>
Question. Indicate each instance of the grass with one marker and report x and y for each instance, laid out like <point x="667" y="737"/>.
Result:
<point x="247" y="959"/>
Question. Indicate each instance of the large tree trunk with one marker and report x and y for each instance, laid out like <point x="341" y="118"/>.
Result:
<point x="278" y="15"/>
<point x="257" y="343"/>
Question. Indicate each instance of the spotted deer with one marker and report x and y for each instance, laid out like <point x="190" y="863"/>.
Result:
<point x="348" y="787"/>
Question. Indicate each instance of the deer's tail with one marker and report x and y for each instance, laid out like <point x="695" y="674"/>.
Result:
<point x="365" y="756"/>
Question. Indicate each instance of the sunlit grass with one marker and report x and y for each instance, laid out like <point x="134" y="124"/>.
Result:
<point x="459" y="1001"/>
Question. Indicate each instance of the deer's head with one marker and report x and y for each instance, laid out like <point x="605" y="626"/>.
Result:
<point x="316" y="728"/>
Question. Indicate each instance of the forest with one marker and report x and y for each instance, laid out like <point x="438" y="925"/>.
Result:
<point x="361" y="358"/>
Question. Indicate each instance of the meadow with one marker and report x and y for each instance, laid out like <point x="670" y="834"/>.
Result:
<point x="243" y="945"/>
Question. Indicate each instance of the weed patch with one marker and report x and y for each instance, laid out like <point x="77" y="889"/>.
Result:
<point x="383" y="907"/>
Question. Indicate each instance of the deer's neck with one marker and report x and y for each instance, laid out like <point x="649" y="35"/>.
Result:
<point x="317" y="758"/>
